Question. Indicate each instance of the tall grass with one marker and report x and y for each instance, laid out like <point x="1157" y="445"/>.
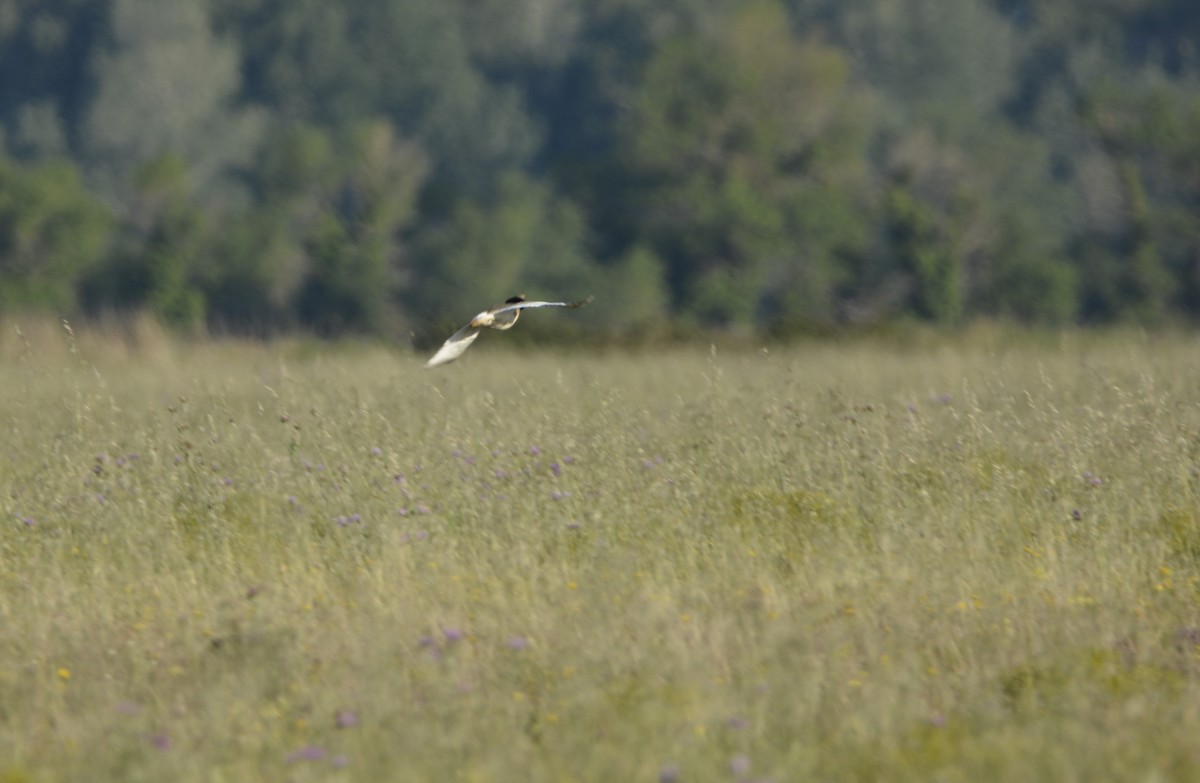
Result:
<point x="862" y="561"/>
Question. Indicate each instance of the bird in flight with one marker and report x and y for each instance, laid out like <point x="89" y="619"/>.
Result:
<point x="502" y="316"/>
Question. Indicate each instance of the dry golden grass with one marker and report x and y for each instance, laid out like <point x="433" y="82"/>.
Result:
<point x="921" y="560"/>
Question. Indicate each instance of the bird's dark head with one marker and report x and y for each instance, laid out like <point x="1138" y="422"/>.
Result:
<point x="515" y="299"/>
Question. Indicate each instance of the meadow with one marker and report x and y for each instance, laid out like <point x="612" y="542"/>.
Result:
<point x="891" y="559"/>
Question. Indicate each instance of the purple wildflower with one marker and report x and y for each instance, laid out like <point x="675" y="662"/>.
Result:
<point x="161" y="741"/>
<point x="534" y="451"/>
<point x="376" y="451"/>
<point x="517" y="643"/>
<point x="425" y="640"/>
<point x="28" y="521"/>
<point x="568" y="460"/>
<point x="1092" y="479"/>
<point x="556" y="469"/>
<point x="452" y="634"/>
<point x="339" y="762"/>
<point x="345" y="719"/>
<point x="307" y="753"/>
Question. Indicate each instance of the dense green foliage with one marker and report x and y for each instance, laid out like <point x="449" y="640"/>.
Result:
<point x="259" y="165"/>
<point x="973" y="561"/>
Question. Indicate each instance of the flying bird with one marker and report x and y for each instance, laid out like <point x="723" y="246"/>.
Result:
<point x="502" y="316"/>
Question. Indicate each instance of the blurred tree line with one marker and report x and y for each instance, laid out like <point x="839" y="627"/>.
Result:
<point x="771" y="165"/>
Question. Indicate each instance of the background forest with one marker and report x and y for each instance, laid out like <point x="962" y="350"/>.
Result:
<point x="771" y="166"/>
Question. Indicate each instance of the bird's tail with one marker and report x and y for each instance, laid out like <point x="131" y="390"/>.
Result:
<point x="582" y="302"/>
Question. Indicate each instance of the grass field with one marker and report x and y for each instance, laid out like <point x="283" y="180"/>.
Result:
<point x="888" y="560"/>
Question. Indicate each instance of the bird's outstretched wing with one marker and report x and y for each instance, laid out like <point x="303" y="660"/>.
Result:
<point x="462" y="339"/>
<point x="454" y="347"/>
<point x="527" y="305"/>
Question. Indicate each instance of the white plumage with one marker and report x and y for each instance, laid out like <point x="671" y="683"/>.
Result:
<point x="502" y="316"/>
